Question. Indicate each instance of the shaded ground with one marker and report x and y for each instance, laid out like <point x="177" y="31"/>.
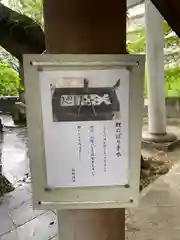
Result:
<point x="160" y="161"/>
<point x="158" y="164"/>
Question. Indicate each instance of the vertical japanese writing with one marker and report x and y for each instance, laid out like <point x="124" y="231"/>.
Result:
<point x="73" y="174"/>
<point x="104" y="149"/>
<point x="92" y="150"/>
<point x="118" y="139"/>
<point x="79" y="141"/>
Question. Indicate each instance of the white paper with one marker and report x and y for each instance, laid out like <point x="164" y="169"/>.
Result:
<point x="85" y="153"/>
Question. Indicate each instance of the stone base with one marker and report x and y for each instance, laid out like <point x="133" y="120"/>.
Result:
<point x="160" y="141"/>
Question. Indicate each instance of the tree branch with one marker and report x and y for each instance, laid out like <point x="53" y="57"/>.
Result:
<point x="19" y="34"/>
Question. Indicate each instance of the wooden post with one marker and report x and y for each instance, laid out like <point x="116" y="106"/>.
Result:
<point x="87" y="27"/>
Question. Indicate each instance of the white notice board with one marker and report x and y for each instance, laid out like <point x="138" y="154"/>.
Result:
<point x="91" y="147"/>
<point x="84" y="119"/>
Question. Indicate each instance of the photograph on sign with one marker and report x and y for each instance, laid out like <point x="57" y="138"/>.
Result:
<point x="84" y="103"/>
<point x="85" y="125"/>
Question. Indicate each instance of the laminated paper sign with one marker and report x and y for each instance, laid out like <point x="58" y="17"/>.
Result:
<point x="85" y="121"/>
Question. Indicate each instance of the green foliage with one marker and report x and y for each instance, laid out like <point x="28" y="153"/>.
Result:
<point x="8" y="58"/>
<point x="9" y="66"/>
<point x="31" y="8"/>
<point x="166" y="28"/>
<point x="9" y="81"/>
<point x="136" y="43"/>
<point x="136" y="40"/>
<point x="172" y="41"/>
<point x="172" y="81"/>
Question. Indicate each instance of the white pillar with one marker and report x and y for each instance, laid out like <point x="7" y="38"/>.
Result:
<point x="155" y="68"/>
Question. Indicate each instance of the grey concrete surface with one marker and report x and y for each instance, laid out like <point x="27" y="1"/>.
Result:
<point x="157" y="216"/>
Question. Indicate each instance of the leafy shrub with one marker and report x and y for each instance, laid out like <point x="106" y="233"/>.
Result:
<point x="136" y="41"/>
<point x="171" y="81"/>
<point x="9" y="80"/>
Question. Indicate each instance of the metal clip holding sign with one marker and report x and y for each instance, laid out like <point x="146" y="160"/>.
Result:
<point x="85" y="152"/>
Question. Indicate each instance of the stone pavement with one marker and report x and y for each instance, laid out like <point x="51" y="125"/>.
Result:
<point x="18" y="221"/>
<point x="157" y="216"/>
